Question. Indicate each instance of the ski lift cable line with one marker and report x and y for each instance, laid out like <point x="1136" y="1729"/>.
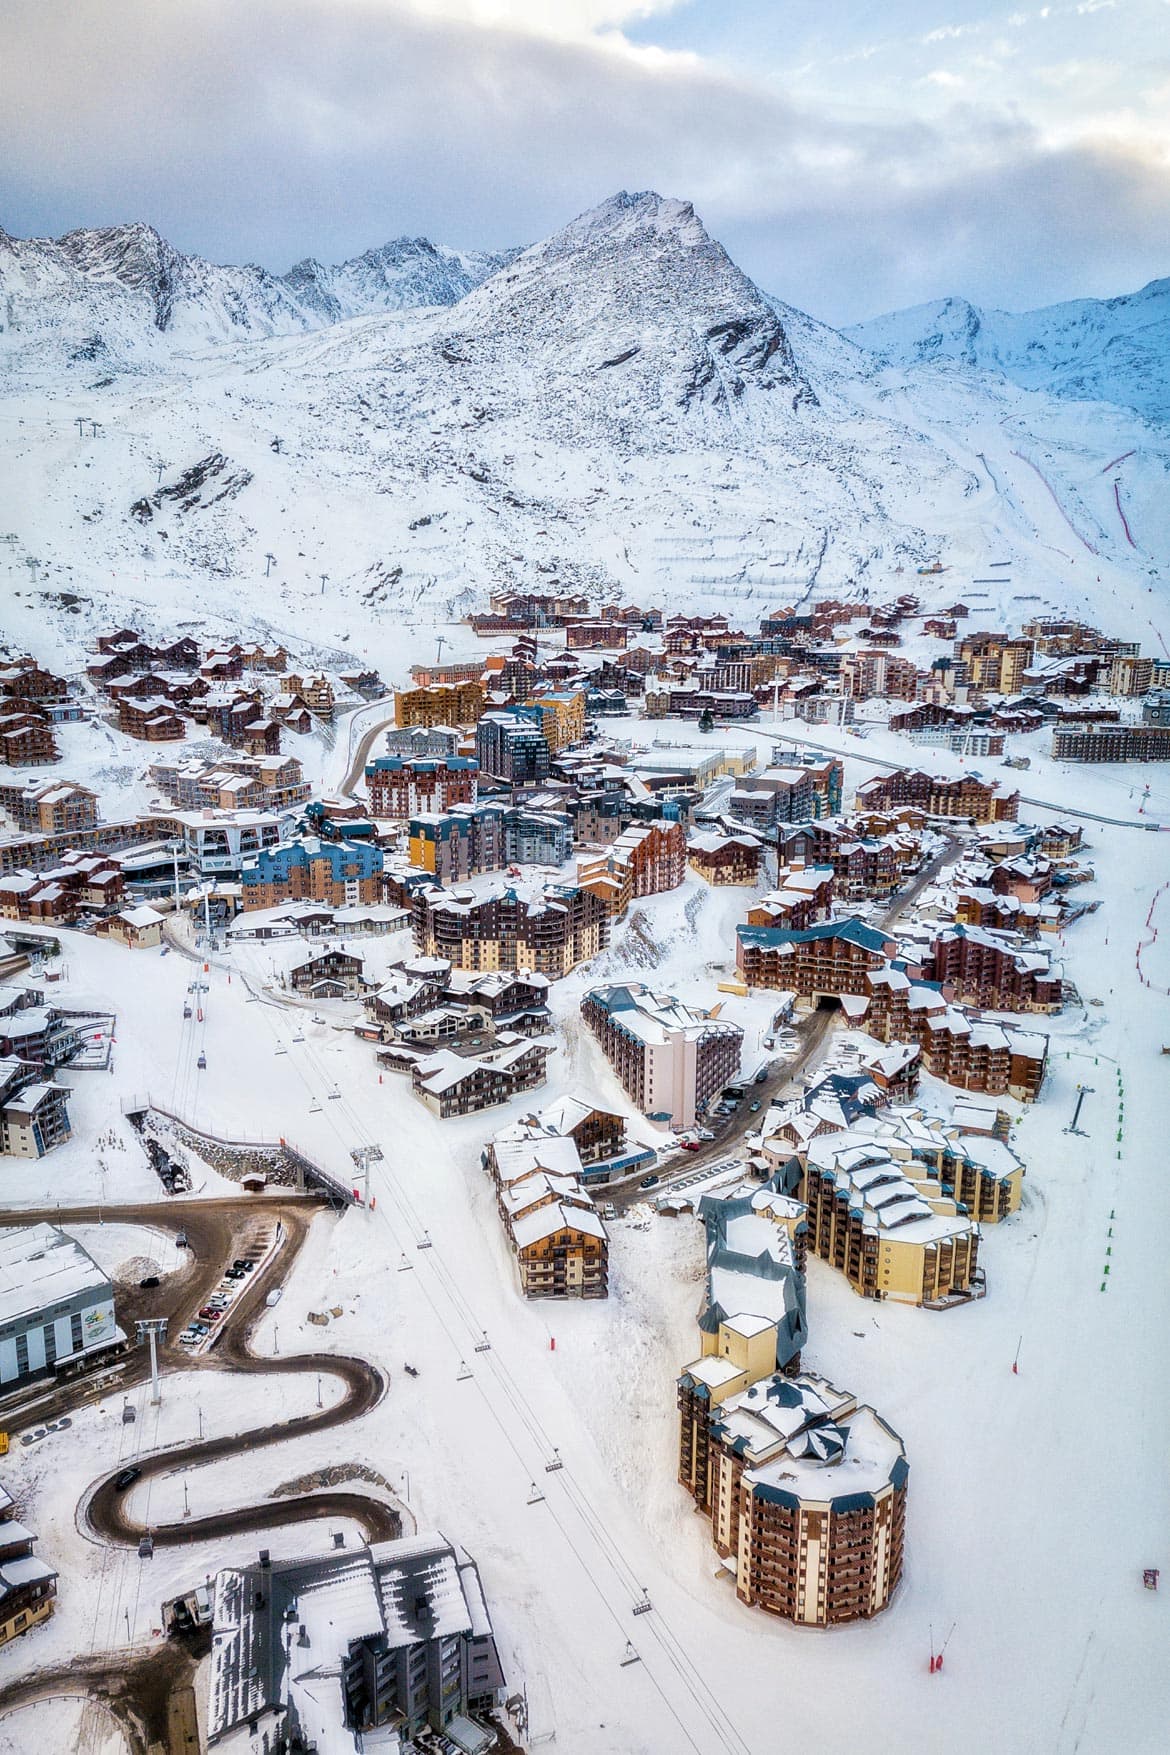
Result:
<point x="593" y="1523"/>
<point x="507" y="1386"/>
<point x="521" y="1408"/>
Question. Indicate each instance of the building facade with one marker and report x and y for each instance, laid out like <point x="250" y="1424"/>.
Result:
<point x="671" y="1060"/>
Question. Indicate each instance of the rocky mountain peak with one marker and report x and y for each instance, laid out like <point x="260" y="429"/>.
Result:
<point x="637" y="286"/>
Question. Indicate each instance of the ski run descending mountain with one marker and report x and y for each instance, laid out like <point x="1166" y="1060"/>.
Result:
<point x="617" y="409"/>
<point x="1094" y="350"/>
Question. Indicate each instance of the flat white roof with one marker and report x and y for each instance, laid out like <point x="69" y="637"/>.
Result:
<point x="40" y="1265"/>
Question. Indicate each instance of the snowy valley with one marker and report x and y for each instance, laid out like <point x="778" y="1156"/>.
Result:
<point x="778" y="626"/>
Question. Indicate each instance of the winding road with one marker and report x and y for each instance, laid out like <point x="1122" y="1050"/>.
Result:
<point x="147" y="1691"/>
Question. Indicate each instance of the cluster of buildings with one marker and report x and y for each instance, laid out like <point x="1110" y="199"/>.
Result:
<point x="35" y="1039"/>
<point x="243" y="693"/>
<point x="804" y="1486"/>
<point x="542" y="1167"/>
<point x="857" y="967"/>
<point x="32" y="701"/>
<point x="357" y="1649"/>
<point x="234" y="782"/>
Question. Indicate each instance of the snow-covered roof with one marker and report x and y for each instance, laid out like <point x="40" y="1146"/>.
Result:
<point x="39" y="1266"/>
<point x="558" y="1216"/>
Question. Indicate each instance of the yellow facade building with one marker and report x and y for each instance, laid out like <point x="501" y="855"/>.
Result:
<point x="563" y="718"/>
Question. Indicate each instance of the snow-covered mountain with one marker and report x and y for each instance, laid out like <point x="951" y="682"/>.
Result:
<point x="123" y="294"/>
<point x="1093" y="350"/>
<point x="617" y="409"/>
<point x="400" y="276"/>
<point x="636" y="290"/>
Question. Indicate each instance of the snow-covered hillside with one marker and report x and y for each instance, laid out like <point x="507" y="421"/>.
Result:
<point x="1092" y="350"/>
<point x="122" y="294"/>
<point x="400" y="276"/>
<point x="617" y="410"/>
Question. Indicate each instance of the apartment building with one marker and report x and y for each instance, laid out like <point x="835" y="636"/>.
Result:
<point x="28" y="1587"/>
<point x="992" y="970"/>
<point x="410" y="786"/>
<point x="330" y="974"/>
<point x="34" y="1110"/>
<point x="832" y="958"/>
<point x="562" y="717"/>
<point x="442" y="705"/>
<point x="459" y="842"/>
<point x="557" y="1237"/>
<point x="26" y="738"/>
<point x="644" y="860"/>
<point x="449" y="1083"/>
<point x="671" y="1060"/>
<point x="969" y="797"/>
<point x="777" y="795"/>
<point x="512" y="746"/>
<point x="151" y="718"/>
<point x="339" y="873"/>
<point x="1112" y="743"/>
<point x="423" y="740"/>
<point x="808" y="1500"/>
<point x="550" y="932"/>
<point x="56" y="807"/>
<point x="389" y="1643"/>
<point x="725" y="859"/>
<point x="885" y="1222"/>
<point x="234" y="782"/>
<point x="871" y="673"/>
<point x="1130" y="675"/>
<point x="994" y="663"/>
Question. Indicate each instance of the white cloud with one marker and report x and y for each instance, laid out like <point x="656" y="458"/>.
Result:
<point x="270" y="129"/>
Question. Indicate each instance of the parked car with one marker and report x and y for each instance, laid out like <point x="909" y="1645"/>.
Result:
<point x="650" y="1181"/>
<point x="181" y="1240"/>
<point x="706" y="1134"/>
<point x="126" y="1478"/>
<point x="210" y="1315"/>
<point x="753" y="1108"/>
<point x="235" y="1274"/>
<point x="149" y="1283"/>
<point x="245" y="1263"/>
<point x="687" y="1146"/>
<point x="607" y="1210"/>
<point x="191" y="1337"/>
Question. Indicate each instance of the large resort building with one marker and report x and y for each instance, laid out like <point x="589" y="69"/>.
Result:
<point x="351" y="1651"/>
<point x="671" y="1060"/>
<point x="805" y="1489"/>
<point x="550" y="933"/>
<point x="855" y="965"/>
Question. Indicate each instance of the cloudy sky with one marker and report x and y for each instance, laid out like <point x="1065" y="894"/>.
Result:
<point x="853" y="157"/>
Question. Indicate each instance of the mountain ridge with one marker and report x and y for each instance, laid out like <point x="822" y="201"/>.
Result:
<point x="1100" y="350"/>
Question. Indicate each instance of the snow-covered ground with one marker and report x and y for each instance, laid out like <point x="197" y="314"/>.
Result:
<point x="1035" y="1498"/>
<point x="423" y="458"/>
